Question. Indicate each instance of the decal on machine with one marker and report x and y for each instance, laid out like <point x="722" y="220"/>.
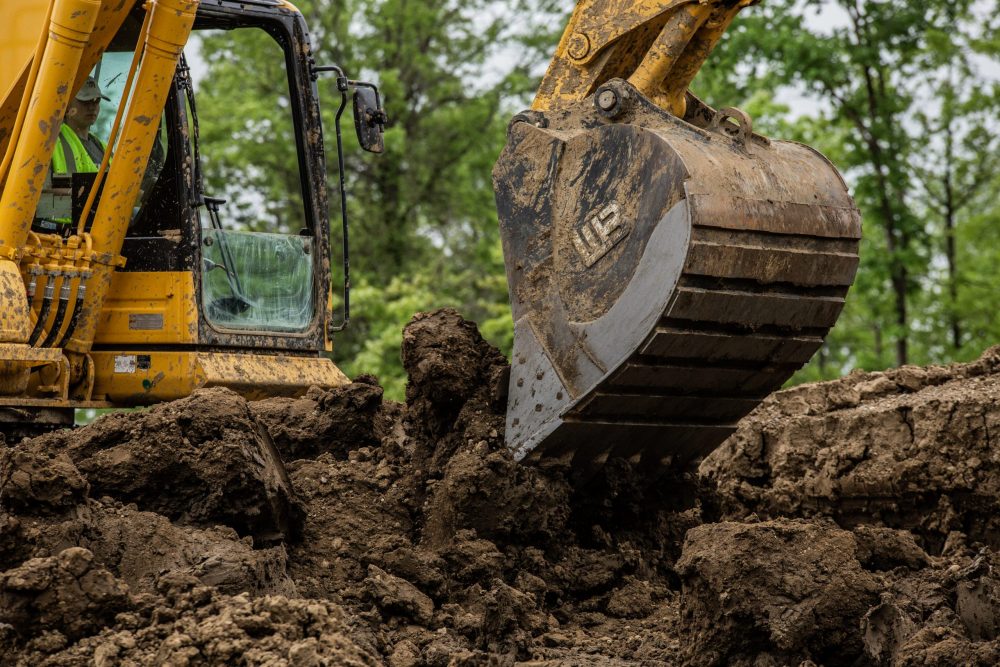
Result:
<point x="126" y="363"/>
<point x="600" y="233"/>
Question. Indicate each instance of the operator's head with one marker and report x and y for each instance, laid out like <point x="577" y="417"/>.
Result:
<point x="85" y="107"/>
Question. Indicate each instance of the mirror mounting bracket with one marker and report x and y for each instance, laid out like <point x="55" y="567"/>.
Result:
<point x="370" y="120"/>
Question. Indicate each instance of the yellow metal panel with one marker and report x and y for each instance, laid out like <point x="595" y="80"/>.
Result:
<point x="29" y="355"/>
<point x="149" y="309"/>
<point x="19" y="31"/>
<point x="141" y="378"/>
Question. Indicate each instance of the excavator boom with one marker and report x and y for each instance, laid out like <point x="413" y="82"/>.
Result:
<point x="668" y="267"/>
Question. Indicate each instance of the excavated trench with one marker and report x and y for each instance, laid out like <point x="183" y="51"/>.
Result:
<point x="846" y="523"/>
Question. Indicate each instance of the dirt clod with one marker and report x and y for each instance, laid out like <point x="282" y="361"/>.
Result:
<point x="67" y="593"/>
<point x="791" y="589"/>
<point x="336" y="420"/>
<point x="38" y="482"/>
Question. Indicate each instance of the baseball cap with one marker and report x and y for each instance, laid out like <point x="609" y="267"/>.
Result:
<point x="90" y="92"/>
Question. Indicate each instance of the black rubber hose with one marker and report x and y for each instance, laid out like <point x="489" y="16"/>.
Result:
<point x="43" y="314"/>
<point x="60" y="312"/>
<point x="81" y="292"/>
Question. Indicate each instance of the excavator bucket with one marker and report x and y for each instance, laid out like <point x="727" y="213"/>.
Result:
<point x="664" y="277"/>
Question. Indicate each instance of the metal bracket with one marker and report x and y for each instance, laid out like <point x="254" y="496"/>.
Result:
<point x="741" y="136"/>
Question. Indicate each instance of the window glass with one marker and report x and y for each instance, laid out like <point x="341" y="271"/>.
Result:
<point x="83" y="141"/>
<point x="257" y="269"/>
<point x="257" y="281"/>
<point x="246" y="134"/>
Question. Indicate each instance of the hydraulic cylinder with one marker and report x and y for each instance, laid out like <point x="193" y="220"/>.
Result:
<point x="169" y="25"/>
<point x="70" y="27"/>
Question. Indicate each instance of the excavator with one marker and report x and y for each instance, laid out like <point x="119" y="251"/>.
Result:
<point x="668" y="266"/>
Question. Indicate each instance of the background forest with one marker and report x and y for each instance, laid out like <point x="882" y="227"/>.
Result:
<point x="903" y="97"/>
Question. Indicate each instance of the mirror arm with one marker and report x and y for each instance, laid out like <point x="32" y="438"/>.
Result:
<point x="343" y="211"/>
<point x="343" y="85"/>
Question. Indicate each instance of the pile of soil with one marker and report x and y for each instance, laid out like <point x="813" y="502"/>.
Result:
<point x="846" y="523"/>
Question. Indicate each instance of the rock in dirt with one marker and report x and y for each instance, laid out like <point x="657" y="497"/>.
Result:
<point x="202" y="460"/>
<point x="790" y="590"/>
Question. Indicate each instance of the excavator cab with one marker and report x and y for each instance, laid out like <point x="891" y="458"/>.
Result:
<point x="228" y="266"/>
<point x="218" y="282"/>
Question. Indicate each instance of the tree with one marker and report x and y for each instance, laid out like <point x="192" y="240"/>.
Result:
<point x="961" y="157"/>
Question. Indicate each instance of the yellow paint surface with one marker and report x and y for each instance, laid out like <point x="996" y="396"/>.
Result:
<point x="142" y="378"/>
<point x="19" y="30"/>
<point x="137" y="299"/>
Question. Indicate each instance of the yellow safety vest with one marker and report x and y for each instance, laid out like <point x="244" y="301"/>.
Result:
<point x="73" y="157"/>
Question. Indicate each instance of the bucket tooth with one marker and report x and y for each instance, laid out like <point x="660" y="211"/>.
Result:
<point x="664" y="280"/>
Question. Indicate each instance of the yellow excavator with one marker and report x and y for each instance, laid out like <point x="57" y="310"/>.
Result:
<point x="668" y="266"/>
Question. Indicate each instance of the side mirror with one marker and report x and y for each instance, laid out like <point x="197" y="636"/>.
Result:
<point x="369" y="119"/>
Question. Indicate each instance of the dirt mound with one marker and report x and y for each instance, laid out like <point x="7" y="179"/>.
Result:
<point x="202" y="460"/>
<point x="848" y="523"/>
<point x="912" y="448"/>
<point x="792" y="590"/>
<point x="185" y="624"/>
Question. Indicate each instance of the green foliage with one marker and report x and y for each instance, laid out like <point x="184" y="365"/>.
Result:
<point x="247" y="134"/>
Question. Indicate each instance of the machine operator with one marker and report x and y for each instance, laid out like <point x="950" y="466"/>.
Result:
<point x="79" y="150"/>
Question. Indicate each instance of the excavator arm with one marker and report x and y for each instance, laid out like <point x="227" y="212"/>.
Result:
<point x="79" y="266"/>
<point x="668" y="267"/>
<point x="658" y="46"/>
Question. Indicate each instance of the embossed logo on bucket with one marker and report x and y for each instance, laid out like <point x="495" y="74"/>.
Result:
<point x="600" y="233"/>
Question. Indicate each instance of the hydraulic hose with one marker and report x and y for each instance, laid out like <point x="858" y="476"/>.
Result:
<point x="81" y="292"/>
<point x="43" y="314"/>
<point x="64" y="294"/>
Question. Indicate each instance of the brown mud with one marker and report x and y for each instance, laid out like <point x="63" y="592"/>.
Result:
<point x="846" y="523"/>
